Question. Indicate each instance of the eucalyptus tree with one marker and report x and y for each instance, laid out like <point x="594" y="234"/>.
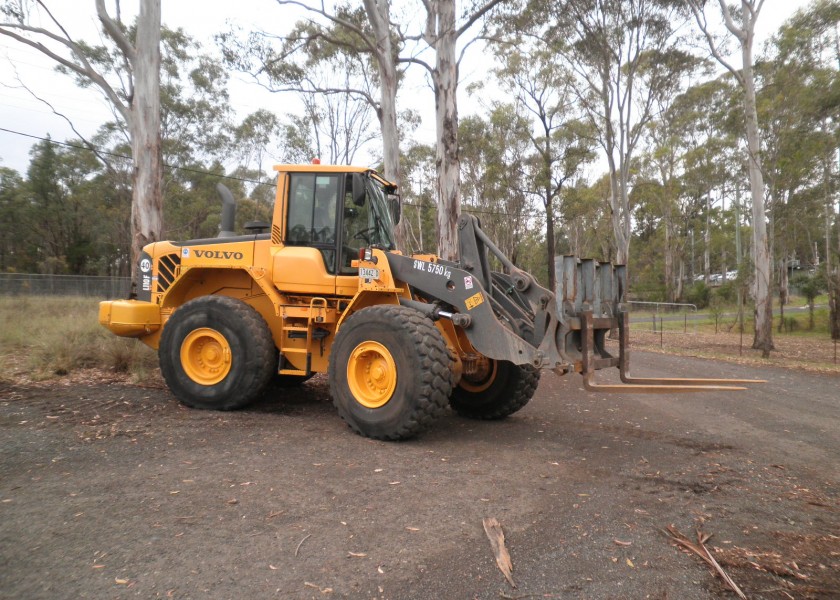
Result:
<point x="371" y="32"/>
<point x="128" y="75"/>
<point x="357" y="41"/>
<point x="625" y="59"/>
<point x="805" y="65"/>
<point x="561" y="143"/>
<point x="740" y="24"/>
<point x="495" y="175"/>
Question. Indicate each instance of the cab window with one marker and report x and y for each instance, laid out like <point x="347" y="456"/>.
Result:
<point x="313" y="200"/>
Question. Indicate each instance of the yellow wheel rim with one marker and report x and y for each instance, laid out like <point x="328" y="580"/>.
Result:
<point x="371" y="374"/>
<point x="482" y="380"/>
<point x="205" y="356"/>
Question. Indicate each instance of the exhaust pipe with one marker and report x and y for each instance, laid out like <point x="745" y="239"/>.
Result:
<point x="228" y="212"/>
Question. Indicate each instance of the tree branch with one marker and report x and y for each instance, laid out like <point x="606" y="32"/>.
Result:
<point x="114" y="32"/>
<point x="371" y="46"/>
<point x="85" y="70"/>
<point x="700" y="18"/>
<point x="476" y="16"/>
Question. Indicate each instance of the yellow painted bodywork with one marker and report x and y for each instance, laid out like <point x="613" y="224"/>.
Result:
<point x="129" y="318"/>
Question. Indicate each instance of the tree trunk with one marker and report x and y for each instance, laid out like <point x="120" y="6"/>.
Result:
<point x="549" y="235"/>
<point x="620" y="222"/>
<point x="763" y="339"/>
<point x="144" y="127"/>
<point x="707" y="243"/>
<point x="669" y="260"/>
<point x="379" y="15"/>
<point x="446" y="129"/>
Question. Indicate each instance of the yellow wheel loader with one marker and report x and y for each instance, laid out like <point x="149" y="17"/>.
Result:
<point x="321" y="289"/>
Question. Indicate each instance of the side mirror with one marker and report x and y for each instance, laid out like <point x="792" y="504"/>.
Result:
<point x="358" y="189"/>
<point x="395" y="206"/>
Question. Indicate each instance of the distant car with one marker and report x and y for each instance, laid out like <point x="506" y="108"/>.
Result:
<point x="730" y="275"/>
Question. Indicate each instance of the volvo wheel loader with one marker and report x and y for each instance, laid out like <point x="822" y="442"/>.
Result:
<point x="321" y="289"/>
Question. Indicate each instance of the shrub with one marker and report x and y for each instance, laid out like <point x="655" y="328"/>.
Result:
<point x="699" y="294"/>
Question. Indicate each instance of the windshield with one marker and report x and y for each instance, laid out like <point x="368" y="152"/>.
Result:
<point x="382" y="225"/>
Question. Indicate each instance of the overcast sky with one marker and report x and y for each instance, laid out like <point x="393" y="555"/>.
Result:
<point x="20" y="112"/>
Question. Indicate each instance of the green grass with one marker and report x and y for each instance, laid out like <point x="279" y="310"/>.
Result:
<point x="43" y="337"/>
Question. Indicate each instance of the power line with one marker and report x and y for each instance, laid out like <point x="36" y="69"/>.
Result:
<point x="123" y="156"/>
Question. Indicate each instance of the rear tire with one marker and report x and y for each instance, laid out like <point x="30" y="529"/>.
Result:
<point x="216" y="353"/>
<point x="503" y="391"/>
<point x="390" y="372"/>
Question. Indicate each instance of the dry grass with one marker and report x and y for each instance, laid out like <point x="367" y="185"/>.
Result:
<point x="43" y="337"/>
<point x="806" y="352"/>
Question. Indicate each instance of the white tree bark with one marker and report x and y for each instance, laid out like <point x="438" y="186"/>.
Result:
<point x="379" y="14"/>
<point x="445" y="77"/>
<point x="144" y="125"/>
<point x="744" y="32"/>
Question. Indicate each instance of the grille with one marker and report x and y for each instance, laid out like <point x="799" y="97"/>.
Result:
<point x="167" y="265"/>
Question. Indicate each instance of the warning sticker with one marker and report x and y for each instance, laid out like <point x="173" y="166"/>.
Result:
<point x="474" y="301"/>
<point x="468" y="282"/>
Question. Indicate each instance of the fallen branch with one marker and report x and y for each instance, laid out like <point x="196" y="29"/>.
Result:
<point x="301" y="543"/>
<point x="700" y="550"/>
<point x="494" y="532"/>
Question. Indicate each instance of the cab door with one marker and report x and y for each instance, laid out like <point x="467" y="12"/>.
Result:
<point x="307" y="262"/>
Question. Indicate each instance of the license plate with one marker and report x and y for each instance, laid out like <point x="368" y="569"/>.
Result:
<point x="368" y="273"/>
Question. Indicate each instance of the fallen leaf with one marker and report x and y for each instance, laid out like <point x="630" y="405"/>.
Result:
<point x="620" y="543"/>
<point x="630" y="563"/>
<point x="494" y="532"/>
<point x="393" y="483"/>
<point x="121" y="581"/>
<point x="233" y="501"/>
<point x="272" y="567"/>
<point x="413" y="528"/>
<point x="357" y="554"/>
<point x="379" y="570"/>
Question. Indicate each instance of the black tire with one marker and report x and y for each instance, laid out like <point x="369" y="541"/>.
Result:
<point x="249" y="347"/>
<point x="505" y="390"/>
<point x="422" y="372"/>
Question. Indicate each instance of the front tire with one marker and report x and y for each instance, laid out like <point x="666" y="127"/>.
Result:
<point x="498" y="393"/>
<point x="390" y="372"/>
<point x="216" y="353"/>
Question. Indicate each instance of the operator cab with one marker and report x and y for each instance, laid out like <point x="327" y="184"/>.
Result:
<point x="363" y="221"/>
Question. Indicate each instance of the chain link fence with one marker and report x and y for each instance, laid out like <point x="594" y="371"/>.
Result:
<point x="31" y="284"/>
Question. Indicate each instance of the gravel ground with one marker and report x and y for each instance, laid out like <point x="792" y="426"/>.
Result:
<point x="112" y="490"/>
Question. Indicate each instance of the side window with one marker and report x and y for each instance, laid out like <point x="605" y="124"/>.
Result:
<point x="357" y="228"/>
<point x="313" y="199"/>
<point x="301" y="198"/>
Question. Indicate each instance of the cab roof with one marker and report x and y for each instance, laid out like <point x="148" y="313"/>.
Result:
<point x="319" y="168"/>
<point x="310" y="168"/>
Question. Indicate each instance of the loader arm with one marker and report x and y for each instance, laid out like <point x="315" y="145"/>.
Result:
<point x="509" y="316"/>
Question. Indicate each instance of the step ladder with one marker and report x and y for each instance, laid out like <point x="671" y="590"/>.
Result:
<point x="310" y="332"/>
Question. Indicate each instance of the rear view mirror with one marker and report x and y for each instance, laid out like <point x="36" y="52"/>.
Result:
<point x="358" y="189"/>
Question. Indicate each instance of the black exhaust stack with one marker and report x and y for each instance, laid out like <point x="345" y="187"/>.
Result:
<point x="228" y="212"/>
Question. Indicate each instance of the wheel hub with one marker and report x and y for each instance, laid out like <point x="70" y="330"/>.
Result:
<point x="371" y="374"/>
<point x="205" y="356"/>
